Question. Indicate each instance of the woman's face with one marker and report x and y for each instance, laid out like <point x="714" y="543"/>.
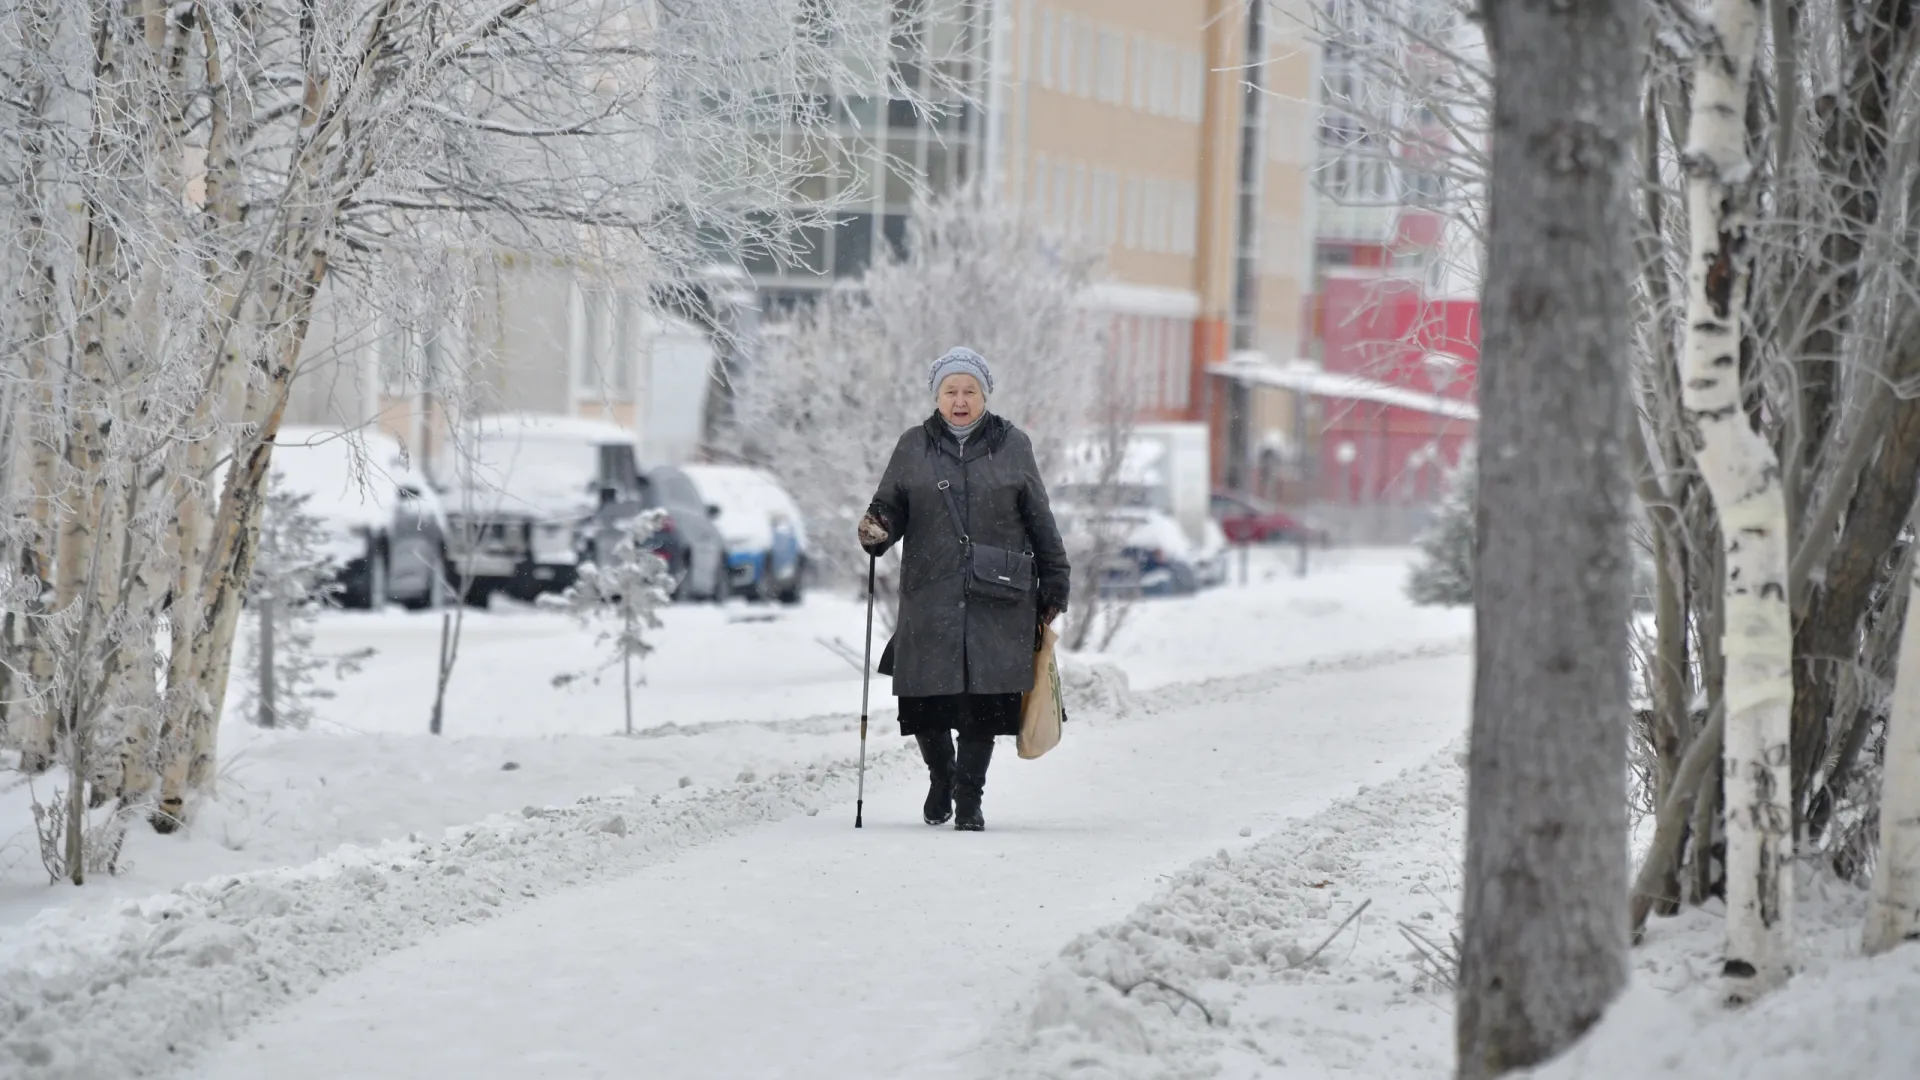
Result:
<point x="960" y="400"/>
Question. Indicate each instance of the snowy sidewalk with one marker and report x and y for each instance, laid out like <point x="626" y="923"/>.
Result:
<point x="806" y="949"/>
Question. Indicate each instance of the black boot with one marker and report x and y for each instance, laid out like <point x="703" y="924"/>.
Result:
<point x="970" y="782"/>
<point x="936" y="750"/>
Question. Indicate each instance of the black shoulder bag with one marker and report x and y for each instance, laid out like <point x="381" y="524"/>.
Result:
<point x="993" y="573"/>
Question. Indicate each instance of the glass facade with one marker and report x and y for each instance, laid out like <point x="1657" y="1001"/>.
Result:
<point x="883" y="151"/>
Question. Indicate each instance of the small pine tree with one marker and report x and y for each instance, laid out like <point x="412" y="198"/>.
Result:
<point x="1444" y="575"/>
<point x="289" y="572"/>
<point x="622" y="591"/>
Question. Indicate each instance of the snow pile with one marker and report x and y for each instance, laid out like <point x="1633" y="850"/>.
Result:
<point x="1844" y="1016"/>
<point x="128" y="992"/>
<point x="1094" y="687"/>
<point x="1244" y="962"/>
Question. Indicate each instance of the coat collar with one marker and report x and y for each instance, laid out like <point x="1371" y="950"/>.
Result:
<point x="987" y="439"/>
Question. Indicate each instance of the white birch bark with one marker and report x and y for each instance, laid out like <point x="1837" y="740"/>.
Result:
<point x="1743" y="475"/>
<point x="1894" y="915"/>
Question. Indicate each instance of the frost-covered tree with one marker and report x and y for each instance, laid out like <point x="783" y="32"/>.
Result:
<point x="178" y="183"/>
<point x="1894" y="915"/>
<point x="825" y="408"/>
<point x="291" y="571"/>
<point x="1789" y="218"/>
<point x="1444" y="575"/>
<point x="1742" y="472"/>
<point x="621" y="593"/>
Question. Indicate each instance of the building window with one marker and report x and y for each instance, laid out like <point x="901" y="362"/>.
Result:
<point x="604" y="341"/>
<point x="1186" y="213"/>
<point x="1046" y="48"/>
<point x="1077" y="208"/>
<point x="589" y="315"/>
<point x="1113" y="67"/>
<point x="1087" y="61"/>
<point x="627" y="317"/>
<point x="894" y="228"/>
<point x="1137" y="72"/>
<point x="1151" y="216"/>
<point x="1062" y="195"/>
<point x="1179" y="364"/>
<point x="1064" y="75"/>
<point x="1193" y="83"/>
<point x="1161" y="81"/>
<point x="1130" y="214"/>
<point x="853" y="245"/>
<point x="1112" y="214"/>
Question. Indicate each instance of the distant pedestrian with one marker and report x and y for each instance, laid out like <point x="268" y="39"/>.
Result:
<point x="983" y="570"/>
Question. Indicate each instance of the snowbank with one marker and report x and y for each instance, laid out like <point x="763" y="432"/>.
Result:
<point x="1843" y="1017"/>
<point x="131" y="993"/>
<point x="1241" y="968"/>
<point x="1243" y="965"/>
<point x="1351" y="601"/>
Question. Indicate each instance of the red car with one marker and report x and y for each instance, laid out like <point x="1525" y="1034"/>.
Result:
<point x="1249" y="521"/>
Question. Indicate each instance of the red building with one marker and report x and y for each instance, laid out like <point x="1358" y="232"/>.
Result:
<point x="1406" y="412"/>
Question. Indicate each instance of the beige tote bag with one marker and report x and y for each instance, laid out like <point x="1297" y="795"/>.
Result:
<point x="1041" y="708"/>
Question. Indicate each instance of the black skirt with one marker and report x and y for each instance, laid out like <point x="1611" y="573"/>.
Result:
<point x="972" y="715"/>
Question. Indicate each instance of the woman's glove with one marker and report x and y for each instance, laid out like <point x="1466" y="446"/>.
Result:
<point x="873" y="533"/>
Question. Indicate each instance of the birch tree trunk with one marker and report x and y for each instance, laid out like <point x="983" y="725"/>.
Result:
<point x="1743" y="475"/>
<point x="1545" y="941"/>
<point x="45" y="221"/>
<point x="229" y="556"/>
<point x="1894" y="916"/>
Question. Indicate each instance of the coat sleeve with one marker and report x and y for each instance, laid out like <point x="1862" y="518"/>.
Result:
<point x="889" y="505"/>
<point x="1049" y="550"/>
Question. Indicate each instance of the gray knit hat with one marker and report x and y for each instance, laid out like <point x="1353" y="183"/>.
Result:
<point x="961" y="360"/>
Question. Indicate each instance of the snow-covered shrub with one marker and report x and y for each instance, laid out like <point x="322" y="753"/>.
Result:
<point x="290" y="573"/>
<point x="622" y="592"/>
<point x="1444" y="575"/>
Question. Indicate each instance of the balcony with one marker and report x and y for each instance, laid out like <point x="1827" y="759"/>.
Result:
<point x="1365" y="223"/>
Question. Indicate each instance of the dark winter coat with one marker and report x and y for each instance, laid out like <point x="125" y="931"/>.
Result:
<point x="948" y="640"/>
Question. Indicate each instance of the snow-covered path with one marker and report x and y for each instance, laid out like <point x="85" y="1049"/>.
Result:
<point x="806" y="949"/>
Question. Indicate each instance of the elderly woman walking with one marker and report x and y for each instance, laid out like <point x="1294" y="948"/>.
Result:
<point x="983" y="570"/>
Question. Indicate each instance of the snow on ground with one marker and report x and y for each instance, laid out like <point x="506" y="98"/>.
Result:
<point x="1286" y="959"/>
<point x="129" y="992"/>
<point x="806" y="949"/>
<point x="1842" y="1017"/>
<point x="732" y="690"/>
<point x="1246" y="967"/>
<point x="747" y="717"/>
<point x="1350" y="602"/>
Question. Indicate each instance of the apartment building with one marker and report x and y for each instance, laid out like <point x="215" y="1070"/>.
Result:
<point x="1148" y="129"/>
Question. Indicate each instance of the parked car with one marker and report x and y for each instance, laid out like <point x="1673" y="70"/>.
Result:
<point x="761" y="525"/>
<point x="385" y="527"/>
<point x="529" y="496"/>
<point x="1213" y="557"/>
<point x="1152" y="555"/>
<point x="690" y="541"/>
<point x="1249" y="521"/>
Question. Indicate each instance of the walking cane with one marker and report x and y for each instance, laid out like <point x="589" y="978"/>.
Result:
<point x="866" y="685"/>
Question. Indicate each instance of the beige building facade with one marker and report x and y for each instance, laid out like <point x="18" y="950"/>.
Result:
<point x="1125" y="123"/>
